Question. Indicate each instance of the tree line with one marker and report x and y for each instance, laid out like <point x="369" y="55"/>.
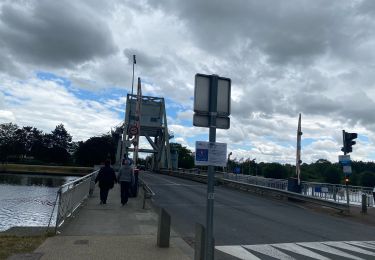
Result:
<point x="320" y="171"/>
<point x="30" y="145"/>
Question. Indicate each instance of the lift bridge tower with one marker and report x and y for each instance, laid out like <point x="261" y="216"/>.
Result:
<point x="145" y="116"/>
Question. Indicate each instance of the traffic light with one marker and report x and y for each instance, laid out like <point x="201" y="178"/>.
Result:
<point x="347" y="180"/>
<point x="348" y="141"/>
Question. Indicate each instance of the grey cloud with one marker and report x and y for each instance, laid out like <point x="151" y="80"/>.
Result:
<point x="7" y="65"/>
<point x="54" y="33"/>
<point x="143" y="59"/>
<point x="262" y="99"/>
<point x="315" y="104"/>
<point x="367" y="7"/>
<point x="287" y="32"/>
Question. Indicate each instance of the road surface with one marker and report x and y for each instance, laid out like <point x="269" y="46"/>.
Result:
<point x="244" y="219"/>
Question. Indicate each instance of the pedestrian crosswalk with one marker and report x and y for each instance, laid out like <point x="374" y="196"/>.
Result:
<point x="357" y="250"/>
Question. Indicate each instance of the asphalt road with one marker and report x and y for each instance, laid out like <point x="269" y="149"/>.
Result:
<point x="244" y="219"/>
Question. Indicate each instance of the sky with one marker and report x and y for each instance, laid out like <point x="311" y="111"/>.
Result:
<point x="70" y="62"/>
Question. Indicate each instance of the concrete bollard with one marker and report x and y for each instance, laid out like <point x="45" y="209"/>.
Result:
<point x="200" y="237"/>
<point x="364" y="204"/>
<point x="164" y="229"/>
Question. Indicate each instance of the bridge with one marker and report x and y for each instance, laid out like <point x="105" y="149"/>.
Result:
<point x="247" y="225"/>
<point x="254" y="218"/>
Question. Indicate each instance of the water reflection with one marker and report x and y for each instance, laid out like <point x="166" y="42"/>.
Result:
<point x="28" y="200"/>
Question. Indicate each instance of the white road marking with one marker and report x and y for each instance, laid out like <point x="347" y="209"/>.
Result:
<point x="237" y="251"/>
<point x="361" y="244"/>
<point x="269" y="251"/>
<point x="324" y="248"/>
<point x="300" y="250"/>
<point x="349" y="247"/>
<point x="329" y="247"/>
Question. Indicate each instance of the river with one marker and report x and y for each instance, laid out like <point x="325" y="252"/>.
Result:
<point x="28" y="200"/>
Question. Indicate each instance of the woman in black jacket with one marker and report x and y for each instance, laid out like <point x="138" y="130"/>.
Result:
<point x="106" y="178"/>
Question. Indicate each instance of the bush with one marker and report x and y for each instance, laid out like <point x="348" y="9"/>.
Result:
<point x="368" y="179"/>
<point x="275" y="170"/>
<point x="332" y="175"/>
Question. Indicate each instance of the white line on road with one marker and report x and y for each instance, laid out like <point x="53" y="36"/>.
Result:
<point x="237" y="251"/>
<point x="270" y="251"/>
<point x="300" y="250"/>
<point x="349" y="247"/>
<point x="329" y="247"/>
<point x="361" y="244"/>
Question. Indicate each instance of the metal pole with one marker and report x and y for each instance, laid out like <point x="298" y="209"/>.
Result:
<point x="133" y="73"/>
<point x="346" y="183"/>
<point x="209" y="253"/>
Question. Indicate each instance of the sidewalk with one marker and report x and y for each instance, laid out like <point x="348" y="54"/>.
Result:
<point x="354" y="215"/>
<point x="112" y="231"/>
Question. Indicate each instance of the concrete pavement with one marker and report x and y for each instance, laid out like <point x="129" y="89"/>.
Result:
<point x="112" y="231"/>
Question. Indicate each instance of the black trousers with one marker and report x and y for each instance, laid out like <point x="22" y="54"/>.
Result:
<point x="104" y="194"/>
<point x="125" y="186"/>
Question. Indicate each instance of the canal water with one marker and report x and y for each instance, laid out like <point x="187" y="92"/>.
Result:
<point x="28" y="200"/>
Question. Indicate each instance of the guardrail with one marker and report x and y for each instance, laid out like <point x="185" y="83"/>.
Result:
<point x="287" y="194"/>
<point x="337" y="192"/>
<point x="147" y="192"/>
<point x="273" y="186"/>
<point x="72" y="194"/>
<point x="258" y="180"/>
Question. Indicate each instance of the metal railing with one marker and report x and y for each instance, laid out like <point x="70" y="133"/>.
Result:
<point x="337" y="192"/>
<point x="72" y="194"/>
<point x="263" y="186"/>
<point x="147" y="192"/>
<point x="258" y="180"/>
<point x="325" y="191"/>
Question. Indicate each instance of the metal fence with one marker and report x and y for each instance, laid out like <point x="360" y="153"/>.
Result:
<point x="337" y="192"/>
<point x="72" y="194"/>
<point x="333" y="192"/>
<point x="258" y="180"/>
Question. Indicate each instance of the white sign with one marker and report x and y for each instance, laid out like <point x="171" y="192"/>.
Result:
<point x="347" y="169"/>
<point x="209" y="153"/>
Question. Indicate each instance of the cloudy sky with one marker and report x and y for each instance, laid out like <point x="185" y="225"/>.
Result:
<point x="70" y="62"/>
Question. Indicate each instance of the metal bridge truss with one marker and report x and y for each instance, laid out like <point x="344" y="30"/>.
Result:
<point x="152" y="121"/>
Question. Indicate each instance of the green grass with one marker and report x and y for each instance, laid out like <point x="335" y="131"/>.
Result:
<point x="23" y="168"/>
<point x="10" y="245"/>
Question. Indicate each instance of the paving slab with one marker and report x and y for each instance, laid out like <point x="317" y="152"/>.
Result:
<point x="112" y="231"/>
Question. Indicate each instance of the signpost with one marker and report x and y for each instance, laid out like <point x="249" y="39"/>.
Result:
<point x="211" y="109"/>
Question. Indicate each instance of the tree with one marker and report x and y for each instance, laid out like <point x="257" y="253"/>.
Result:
<point x="332" y="175"/>
<point x="95" y="150"/>
<point x="368" y="179"/>
<point x="7" y="140"/>
<point x="61" y="138"/>
<point x="185" y="156"/>
<point x="275" y="170"/>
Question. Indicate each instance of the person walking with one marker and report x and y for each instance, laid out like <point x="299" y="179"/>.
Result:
<point x="125" y="179"/>
<point x="106" y="178"/>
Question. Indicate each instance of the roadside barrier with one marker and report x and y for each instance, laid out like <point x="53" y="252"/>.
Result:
<point x="71" y="195"/>
<point x="147" y="192"/>
<point x="256" y="188"/>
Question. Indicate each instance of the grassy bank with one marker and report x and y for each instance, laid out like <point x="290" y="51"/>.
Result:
<point x="10" y="244"/>
<point x="42" y="169"/>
